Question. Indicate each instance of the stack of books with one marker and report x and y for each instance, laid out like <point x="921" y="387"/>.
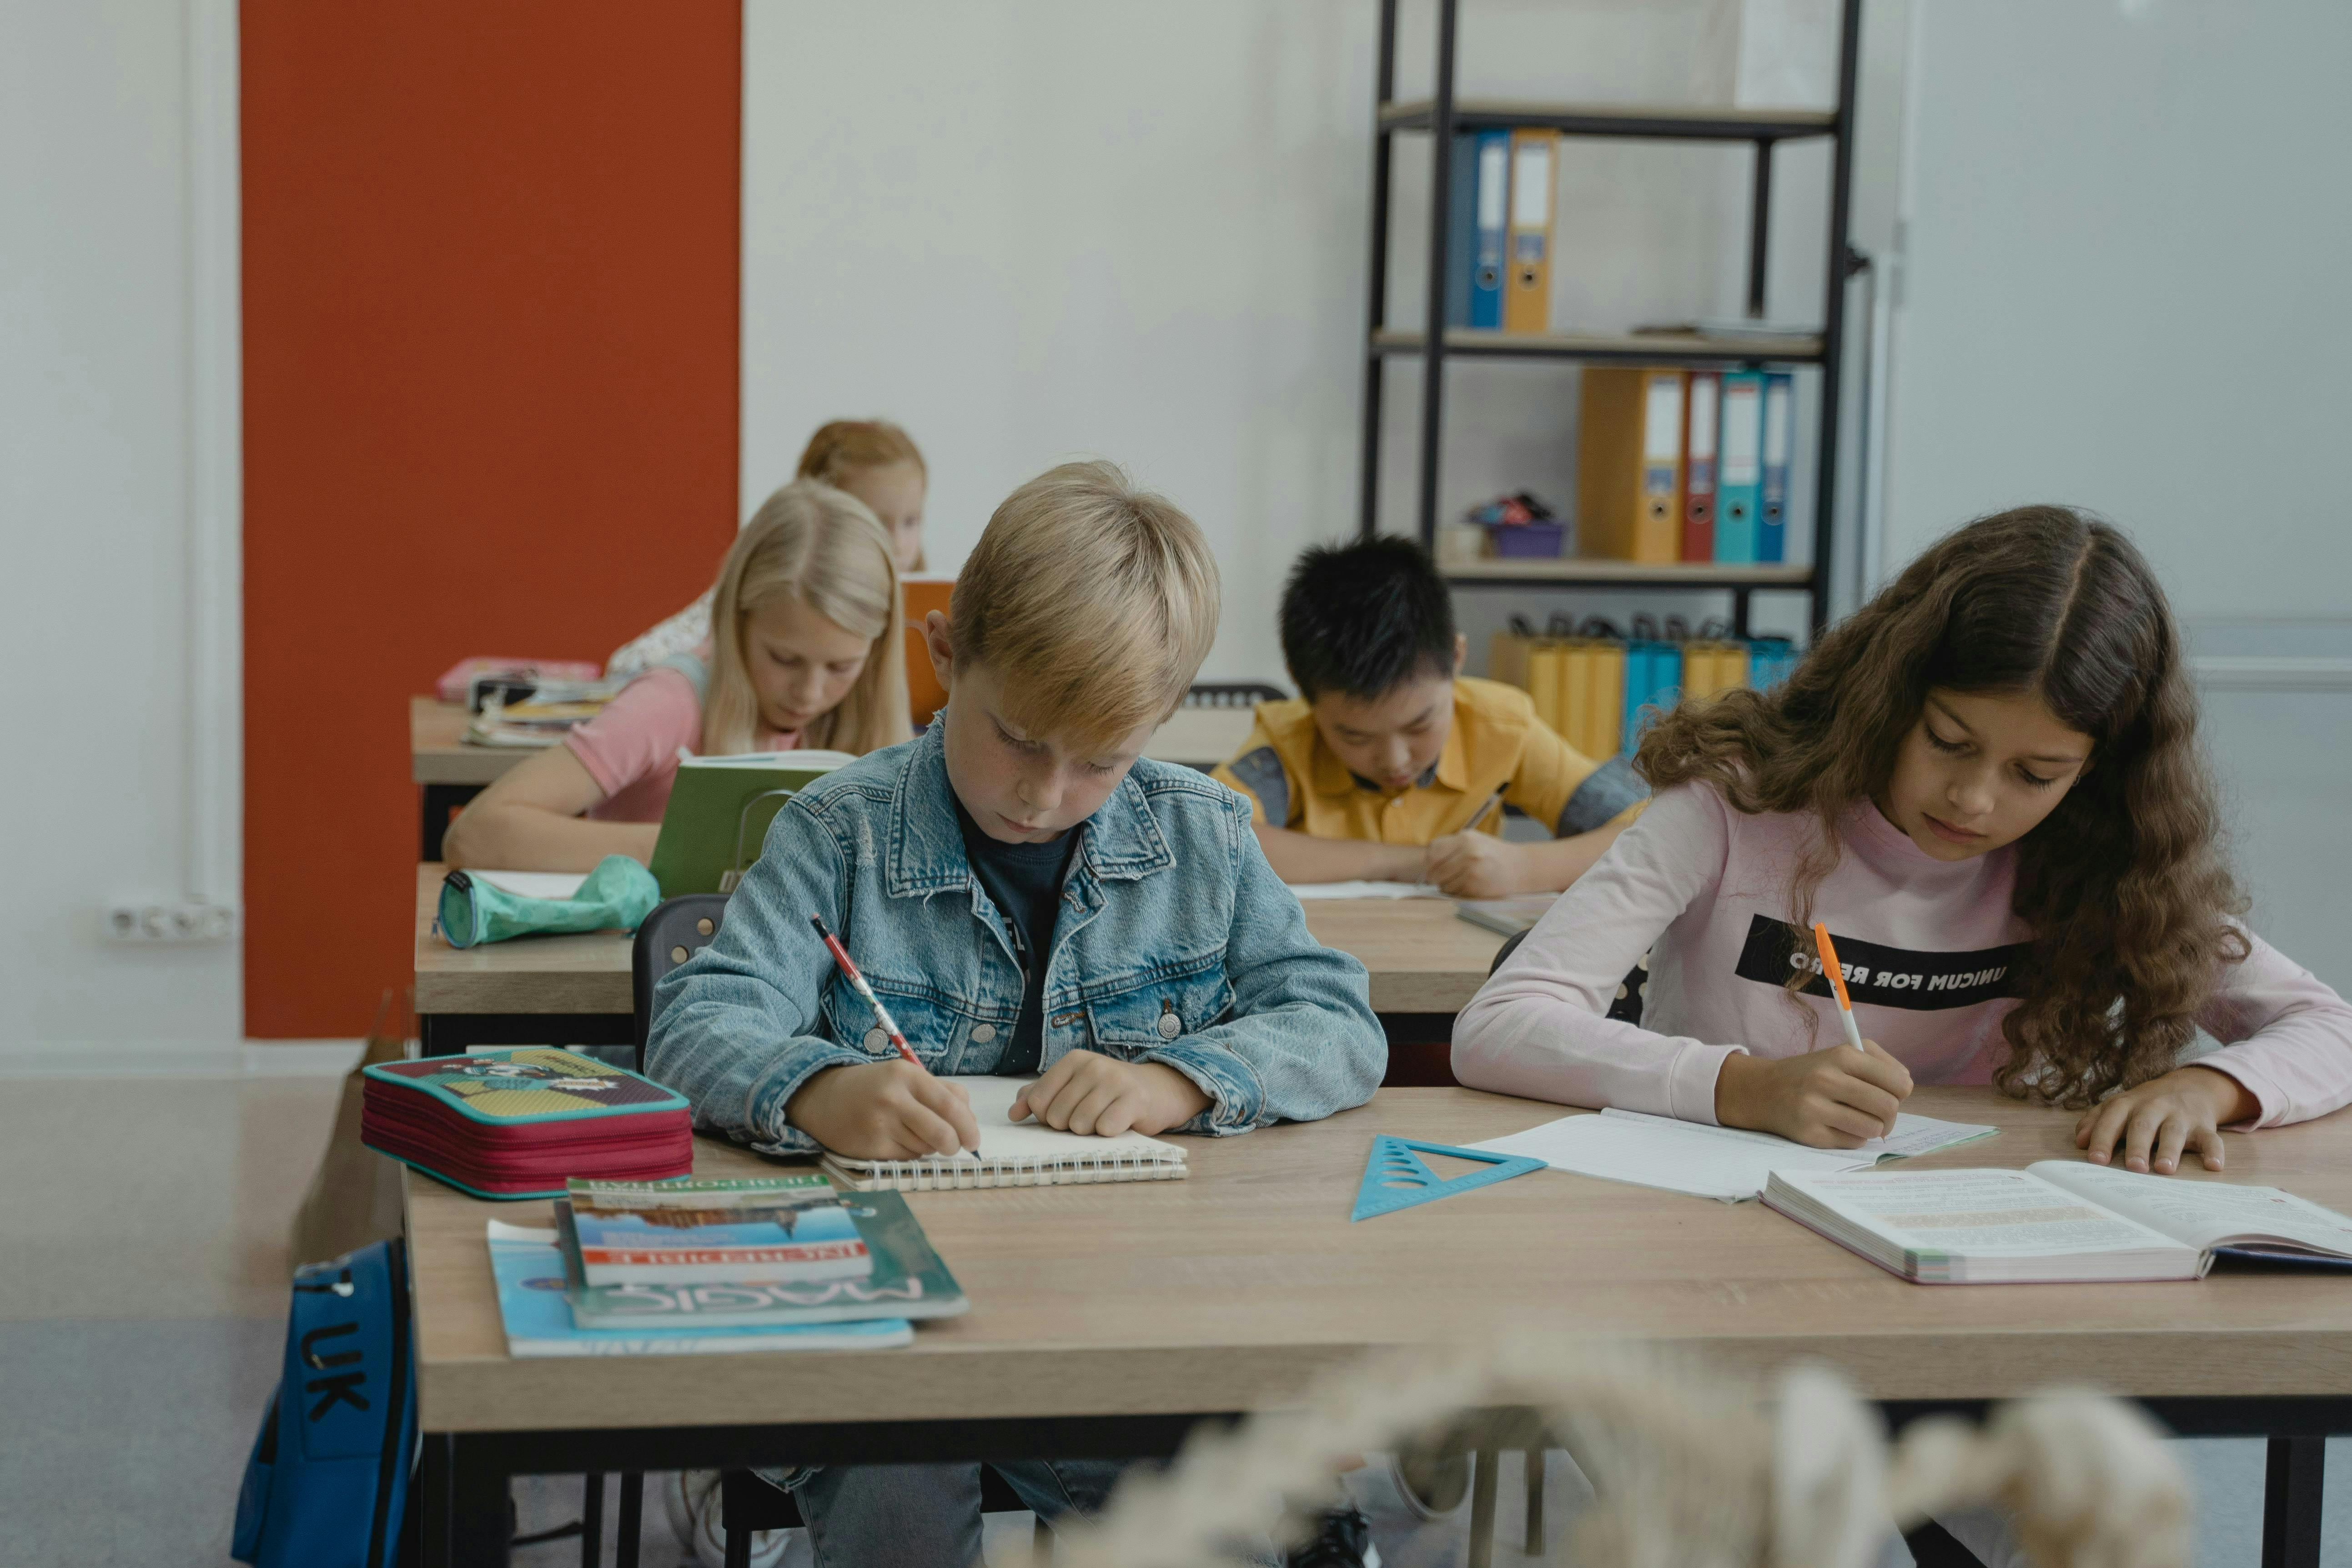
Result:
<point x="715" y="1266"/>
<point x="515" y="1123"/>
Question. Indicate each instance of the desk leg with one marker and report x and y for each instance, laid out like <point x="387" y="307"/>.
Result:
<point x="481" y="1513"/>
<point x="592" y="1521"/>
<point x="1483" y="1478"/>
<point x="2291" y="1500"/>
<point x="428" y="1503"/>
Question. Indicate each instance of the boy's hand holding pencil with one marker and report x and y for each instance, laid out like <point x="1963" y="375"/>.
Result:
<point x="881" y="1110"/>
<point x="1840" y="1098"/>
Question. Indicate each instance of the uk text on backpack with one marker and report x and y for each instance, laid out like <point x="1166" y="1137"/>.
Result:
<point x="328" y="1476"/>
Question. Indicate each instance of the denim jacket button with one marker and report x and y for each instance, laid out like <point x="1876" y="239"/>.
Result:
<point x="1170" y="1025"/>
<point x="875" y="1040"/>
<point x="982" y="1033"/>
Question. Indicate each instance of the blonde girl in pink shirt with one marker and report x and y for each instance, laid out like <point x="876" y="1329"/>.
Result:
<point x="807" y="650"/>
<point x="1987" y="783"/>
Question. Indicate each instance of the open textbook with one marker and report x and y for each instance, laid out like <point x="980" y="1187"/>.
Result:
<point x="2055" y="1220"/>
<point x="1727" y="1163"/>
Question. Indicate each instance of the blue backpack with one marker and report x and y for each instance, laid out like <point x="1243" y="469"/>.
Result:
<point x="327" y="1481"/>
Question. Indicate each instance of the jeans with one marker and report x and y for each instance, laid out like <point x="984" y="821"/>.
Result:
<point x="927" y="1516"/>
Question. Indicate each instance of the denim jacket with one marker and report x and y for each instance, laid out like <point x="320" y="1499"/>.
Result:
<point x="1176" y="943"/>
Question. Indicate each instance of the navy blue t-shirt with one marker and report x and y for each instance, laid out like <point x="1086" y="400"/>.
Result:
<point x="1025" y="881"/>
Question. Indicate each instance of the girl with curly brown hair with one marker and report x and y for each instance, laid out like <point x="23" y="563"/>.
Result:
<point x="1986" y="782"/>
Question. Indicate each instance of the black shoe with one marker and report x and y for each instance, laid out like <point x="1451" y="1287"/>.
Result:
<point x="1343" y="1540"/>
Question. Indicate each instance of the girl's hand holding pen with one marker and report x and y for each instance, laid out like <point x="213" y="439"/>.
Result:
<point x="1838" y="1098"/>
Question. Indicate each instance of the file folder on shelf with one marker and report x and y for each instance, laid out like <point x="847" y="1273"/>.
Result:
<point x="1604" y="729"/>
<point x="1629" y="489"/>
<point x="1491" y="227"/>
<point x="1739" y="482"/>
<point x="1654" y="678"/>
<point x="1461" y="229"/>
<point x="1699" y="421"/>
<point x="1526" y="284"/>
<point x="1712" y="667"/>
<point x="1772" y="510"/>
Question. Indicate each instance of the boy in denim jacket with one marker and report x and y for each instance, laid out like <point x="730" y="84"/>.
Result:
<point x="1027" y="894"/>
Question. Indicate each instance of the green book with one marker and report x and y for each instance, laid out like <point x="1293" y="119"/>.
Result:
<point x="719" y="813"/>
<point x="907" y="1280"/>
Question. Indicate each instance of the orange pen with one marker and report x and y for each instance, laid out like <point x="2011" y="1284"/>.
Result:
<point x="1837" y="982"/>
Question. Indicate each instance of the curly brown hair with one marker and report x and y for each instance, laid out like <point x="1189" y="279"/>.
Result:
<point x="2122" y="884"/>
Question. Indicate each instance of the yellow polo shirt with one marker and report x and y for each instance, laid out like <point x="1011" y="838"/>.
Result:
<point x="1293" y="779"/>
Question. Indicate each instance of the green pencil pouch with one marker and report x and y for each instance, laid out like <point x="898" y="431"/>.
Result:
<point x="620" y="893"/>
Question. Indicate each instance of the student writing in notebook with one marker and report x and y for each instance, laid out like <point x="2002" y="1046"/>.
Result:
<point x="808" y="650"/>
<point x="1027" y="894"/>
<point x="1391" y="766"/>
<point x="1986" y="783"/>
<point x="873" y="460"/>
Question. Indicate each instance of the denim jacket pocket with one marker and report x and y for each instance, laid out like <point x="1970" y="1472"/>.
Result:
<point x="1160" y="1011"/>
<point x="938" y="1030"/>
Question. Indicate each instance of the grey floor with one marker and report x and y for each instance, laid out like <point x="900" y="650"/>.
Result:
<point x="143" y="1291"/>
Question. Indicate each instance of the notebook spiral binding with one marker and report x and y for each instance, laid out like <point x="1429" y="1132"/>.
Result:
<point x="944" y="1176"/>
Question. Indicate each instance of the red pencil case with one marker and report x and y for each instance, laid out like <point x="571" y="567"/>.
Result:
<point x="516" y="1122"/>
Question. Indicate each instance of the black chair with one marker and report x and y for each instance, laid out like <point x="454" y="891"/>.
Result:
<point x="676" y="929"/>
<point x="1626" y="1009"/>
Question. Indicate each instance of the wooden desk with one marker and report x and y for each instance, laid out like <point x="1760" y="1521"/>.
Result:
<point x="1105" y="1320"/>
<point x="451" y="773"/>
<point x="574" y="990"/>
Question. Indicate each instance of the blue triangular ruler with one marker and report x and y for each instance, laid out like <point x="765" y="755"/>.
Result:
<point x="1394" y="1177"/>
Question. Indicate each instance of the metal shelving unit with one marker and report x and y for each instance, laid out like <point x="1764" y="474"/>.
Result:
<point x="1764" y="130"/>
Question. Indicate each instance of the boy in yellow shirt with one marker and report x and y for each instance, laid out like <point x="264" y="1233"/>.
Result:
<point x="1389" y="763"/>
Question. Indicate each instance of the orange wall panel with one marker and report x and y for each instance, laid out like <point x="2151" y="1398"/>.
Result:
<point x="490" y="302"/>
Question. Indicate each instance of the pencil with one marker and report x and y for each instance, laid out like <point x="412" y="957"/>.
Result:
<point x="1837" y="983"/>
<point x="881" y="1013"/>
<point x="1486" y="805"/>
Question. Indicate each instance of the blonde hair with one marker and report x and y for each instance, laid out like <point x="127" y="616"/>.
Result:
<point x="841" y="445"/>
<point x="825" y="548"/>
<point x="1691" y="1467"/>
<point x="1093" y="601"/>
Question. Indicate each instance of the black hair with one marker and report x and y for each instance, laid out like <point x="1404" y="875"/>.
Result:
<point x="1364" y="618"/>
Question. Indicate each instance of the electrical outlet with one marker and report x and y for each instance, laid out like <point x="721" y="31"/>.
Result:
<point x="181" y="924"/>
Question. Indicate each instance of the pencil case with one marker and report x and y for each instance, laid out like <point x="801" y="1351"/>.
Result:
<point x="518" y="1122"/>
<point x="617" y="895"/>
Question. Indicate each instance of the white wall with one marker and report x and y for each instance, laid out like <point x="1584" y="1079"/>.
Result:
<point x="2124" y="231"/>
<point x="1034" y="228"/>
<point x="2127" y="225"/>
<point x="95" y="519"/>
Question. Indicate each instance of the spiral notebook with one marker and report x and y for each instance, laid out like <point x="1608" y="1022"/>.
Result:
<point x="1014" y="1155"/>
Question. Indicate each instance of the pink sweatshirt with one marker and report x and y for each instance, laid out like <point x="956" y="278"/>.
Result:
<point x="1928" y="946"/>
<point x="631" y="748"/>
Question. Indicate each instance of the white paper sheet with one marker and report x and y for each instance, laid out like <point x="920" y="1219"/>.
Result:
<point x="1729" y="1163"/>
<point x="533" y="884"/>
<point x="1304" y="890"/>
